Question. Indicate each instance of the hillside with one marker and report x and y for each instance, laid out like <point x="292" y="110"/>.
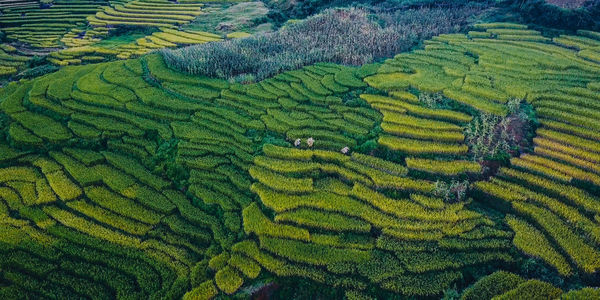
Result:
<point x="465" y="168"/>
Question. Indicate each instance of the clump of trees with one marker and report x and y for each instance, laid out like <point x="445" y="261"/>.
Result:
<point x="500" y="138"/>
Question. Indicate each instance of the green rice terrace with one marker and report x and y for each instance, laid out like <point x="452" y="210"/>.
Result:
<point x="80" y="32"/>
<point x="465" y="168"/>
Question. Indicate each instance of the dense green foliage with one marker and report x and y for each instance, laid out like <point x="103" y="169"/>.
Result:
<point x="542" y="13"/>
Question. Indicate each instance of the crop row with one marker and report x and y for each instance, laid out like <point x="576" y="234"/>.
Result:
<point x="84" y="51"/>
<point x="147" y="13"/>
<point x="550" y="219"/>
<point x="43" y="27"/>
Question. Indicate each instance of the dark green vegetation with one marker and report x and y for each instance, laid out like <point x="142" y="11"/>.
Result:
<point x="344" y="36"/>
<point x="552" y="14"/>
<point x="131" y="180"/>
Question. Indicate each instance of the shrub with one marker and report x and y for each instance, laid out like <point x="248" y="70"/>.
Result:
<point x="432" y="100"/>
<point x="452" y="192"/>
<point x="495" y="137"/>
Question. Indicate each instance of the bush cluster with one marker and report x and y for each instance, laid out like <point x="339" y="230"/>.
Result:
<point x="452" y="192"/>
<point x="498" y="138"/>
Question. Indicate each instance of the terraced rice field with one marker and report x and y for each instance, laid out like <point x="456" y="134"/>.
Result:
<point x="10" y="60"/>
<point x="30" y="22"/>
<point x="44" y="27"/>
<point x="166" y="38"/>
<point x="9" y="4"/>
<point x="147" y="13"/>
<point x="127" y="179"/>
<point x="75" y="30"/>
